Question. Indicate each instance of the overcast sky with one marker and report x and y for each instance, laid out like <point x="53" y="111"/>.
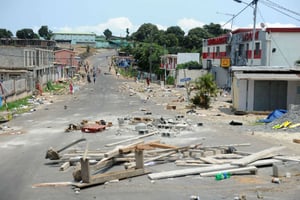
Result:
<point x="117" y="15"/>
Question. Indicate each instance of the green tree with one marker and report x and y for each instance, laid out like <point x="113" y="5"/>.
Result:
<point x="26" y="33"/>
<point x="146" y="33"/>
<point x="5" y="33"/>
<point x="215" y="29"/>
<point x="45" y="33"/>
<point x="178" y="32"/>
<point x="145" y="53"/>
<point x="206" y="88"/>
<point x="194" y="38"/>
<point x="107" y="33"/>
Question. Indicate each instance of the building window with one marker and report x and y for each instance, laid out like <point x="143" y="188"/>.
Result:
<point x="241" y="49"/>
<point x="228" y="50"/>
<point x="2" y="77"/>
<point x="247" y="50"/>
<point x="257" y="47"/>
<point x="217" y="51"/>
<point x="208" y="51"/>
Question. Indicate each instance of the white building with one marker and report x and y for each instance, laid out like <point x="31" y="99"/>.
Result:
<point x="264" y="81"/>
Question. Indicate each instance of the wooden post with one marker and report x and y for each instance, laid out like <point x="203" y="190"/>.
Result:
<point x="139" y="159"/>
<point x="85" y="170"/>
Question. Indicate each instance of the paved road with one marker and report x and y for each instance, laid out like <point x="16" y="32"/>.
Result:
<point x="23" y="160"/>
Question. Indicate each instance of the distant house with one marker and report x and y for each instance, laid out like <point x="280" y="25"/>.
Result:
<point x="23" y="63"/>
<point x="66" y="62"/>
<point x="169" y="64"/>
<point x="75" y="38"/>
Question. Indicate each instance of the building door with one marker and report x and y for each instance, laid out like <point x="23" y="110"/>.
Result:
<point x="270" y="95"/>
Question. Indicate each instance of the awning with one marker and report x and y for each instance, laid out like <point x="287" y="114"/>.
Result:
<point x="278" y="77"/>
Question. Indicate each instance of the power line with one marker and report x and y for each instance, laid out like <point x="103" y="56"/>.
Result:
<point x="234" y="16"/>
<point x="283" y="8"/>
<point x="278" y="10"/>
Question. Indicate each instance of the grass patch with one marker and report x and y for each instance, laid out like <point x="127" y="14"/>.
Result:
<point x="15" y="104"/>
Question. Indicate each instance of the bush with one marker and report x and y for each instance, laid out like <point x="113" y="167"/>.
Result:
<point x="170" y="80"/>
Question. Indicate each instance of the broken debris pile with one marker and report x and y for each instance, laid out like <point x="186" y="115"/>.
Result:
<point x="94" y="167"/>
<point x="289" y="121"/>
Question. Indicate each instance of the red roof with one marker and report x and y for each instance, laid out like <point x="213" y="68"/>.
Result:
<point x="284" y="30"/>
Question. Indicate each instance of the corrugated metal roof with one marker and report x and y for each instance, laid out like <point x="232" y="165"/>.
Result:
<point x="255" y="76"/>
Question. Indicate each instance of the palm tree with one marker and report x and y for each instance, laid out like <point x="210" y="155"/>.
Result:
<point x="206" y="88"/>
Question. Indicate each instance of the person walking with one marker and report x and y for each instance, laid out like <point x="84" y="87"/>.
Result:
<point x="88" y="77"/>
<point x="94" y="76"/>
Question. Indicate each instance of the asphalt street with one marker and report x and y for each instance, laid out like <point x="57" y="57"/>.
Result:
<point x="23" y="160"/>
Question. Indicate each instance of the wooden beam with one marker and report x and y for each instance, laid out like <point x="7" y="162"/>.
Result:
<point x="139" y="159"/>
<point x="64" y="166"/>
<point x="256" y="156"/>
<point x="131" y="139"/>
<point x="52" y="184"/>
<point x="210" y="160"/>
<point x="189" y="171"/>
<point x="102" y="178"/>
<point x="85" y="170"/>
<point x="251" y="169"/>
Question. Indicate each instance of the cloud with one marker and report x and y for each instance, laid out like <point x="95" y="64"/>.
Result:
<point x="117" y="26"/>
<point x="188" y="23"/>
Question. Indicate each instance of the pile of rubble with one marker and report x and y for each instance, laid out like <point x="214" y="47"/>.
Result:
<point x="136" y="155"/>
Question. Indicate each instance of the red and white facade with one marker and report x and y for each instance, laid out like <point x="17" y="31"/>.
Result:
<point x="272" y="47"/>
<point x="263" y="77"/>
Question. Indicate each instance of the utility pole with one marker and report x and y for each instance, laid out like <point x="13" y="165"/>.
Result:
<point x="253" y="31"/>
<point x="254" y="2"/>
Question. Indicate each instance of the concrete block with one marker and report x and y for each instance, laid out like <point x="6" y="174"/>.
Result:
<point x="281" y="169"/>
<point x="143" y="131"/>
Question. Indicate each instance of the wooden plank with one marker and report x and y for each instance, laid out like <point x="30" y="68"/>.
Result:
<point x="189" y="171"/>
<point x="119" y="175"/>
<point x="130" y="147"/>
<point x="265" y="162"/>
<point x="162" y="146"/>
<point x="131" y="139"/>
<point x="251" y="169"/>
<point x="210" y="160"/>
<point x="285" y="158"/>
<point x="85" y="170"/>
<point x="256" y="156"/>
<point x="132" y="165"/>
<point x="139" y="159"/>
<point x="112" y="153"/>
<point x="227" y="156"/>
<point x="52" y="184"/>
<point x="104" y="164"/>
<point x="64" y="166"/>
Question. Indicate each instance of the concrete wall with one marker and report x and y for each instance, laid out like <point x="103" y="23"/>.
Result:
<point x="185" y="73"/>
<point x="293" y="92"/>
<point x="287" y="49"/>
<point x="243" y="94"/>
<point x="11" y="57"/>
